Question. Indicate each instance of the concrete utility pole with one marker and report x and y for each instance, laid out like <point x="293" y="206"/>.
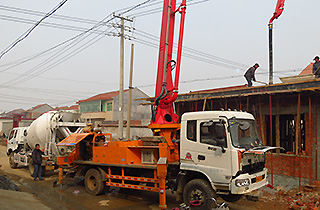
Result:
<point x="130" y="93"/>
<point x="121" y="79"/>
<point x="122" y="37"/>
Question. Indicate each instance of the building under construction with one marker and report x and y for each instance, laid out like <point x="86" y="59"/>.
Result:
<point x="287" y="116"/>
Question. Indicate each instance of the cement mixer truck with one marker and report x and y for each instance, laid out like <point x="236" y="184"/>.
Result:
<point x="47" y="130"/>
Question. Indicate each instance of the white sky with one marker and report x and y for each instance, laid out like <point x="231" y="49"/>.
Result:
<point x="233" y="30"/>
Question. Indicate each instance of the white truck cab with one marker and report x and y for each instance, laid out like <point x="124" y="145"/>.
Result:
<point x="225" y="147"/>
<point x="17" y="136"/>
<point x="16" y="146"/>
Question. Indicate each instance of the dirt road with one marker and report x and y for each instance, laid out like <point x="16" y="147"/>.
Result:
<point x="76" y="198"/>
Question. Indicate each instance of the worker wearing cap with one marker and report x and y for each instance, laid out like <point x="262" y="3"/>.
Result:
<point x="249" y="75"/>
<point x="316" y="67"/>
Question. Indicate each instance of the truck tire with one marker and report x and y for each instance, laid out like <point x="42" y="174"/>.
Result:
<point x="93" y="182"/>
<point x="11" y="161"/>
<point x="199" y="189"/>
<point x="31" y="168"/>
<point x="231" y="197"/>
<point x="43" y="171"/>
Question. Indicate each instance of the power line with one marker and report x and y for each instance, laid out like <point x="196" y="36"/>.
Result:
<point x="47" y="24"/>
<point x="47" y="67"/>
<point x="26" y="34"/>
<point x="59" y="62"/>
<point x="159" y="9"/>
<point x="64" y="26"/>
<point x="53" y="16"/>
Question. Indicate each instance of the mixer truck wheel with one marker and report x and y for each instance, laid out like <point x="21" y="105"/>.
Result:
<point x="199" y="189"/>
<point x="43" y="172"/>
<point x="11" y="161"/>
<point x="31" y="168"/>
<point x="93" y="182"/>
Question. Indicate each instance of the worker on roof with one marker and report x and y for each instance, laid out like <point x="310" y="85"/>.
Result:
<point x="249" y="75"/>
<point x="316" y="67"/>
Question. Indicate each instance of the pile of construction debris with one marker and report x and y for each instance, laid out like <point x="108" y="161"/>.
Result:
<point x="308" y="198"/>
<point x="7" y="184"/>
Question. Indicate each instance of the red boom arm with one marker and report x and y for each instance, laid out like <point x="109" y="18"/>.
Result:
<point x="278" y="11"/>
<point x="166" y="92"/>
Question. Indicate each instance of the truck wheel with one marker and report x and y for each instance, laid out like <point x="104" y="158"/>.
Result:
<point x="31" y="168"/>
<point x="93" y="182"/>
<point x="231" y="197"/>
<point x="11" y="161"/>
<point x="199" y="189"/>
<point x="43" y="171"/>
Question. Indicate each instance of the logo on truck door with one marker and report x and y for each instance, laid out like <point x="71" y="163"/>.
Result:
<point x="188" y="156"/>
<point x="212" y="148"/>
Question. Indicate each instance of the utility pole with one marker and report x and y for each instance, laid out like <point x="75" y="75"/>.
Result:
<point x="122" y="37"/>
<point x="130" y="93"/>
<point x="121" y="80"/>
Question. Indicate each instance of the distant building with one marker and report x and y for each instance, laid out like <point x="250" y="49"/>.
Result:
<point x="21" y="117"/>
<point x="38" y="110"/>
<point x="103" y="110"/>
<point x="73" y="107"/>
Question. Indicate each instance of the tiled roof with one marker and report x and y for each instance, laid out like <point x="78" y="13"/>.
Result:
<point x="16" y="111"/>
<point x="307" y="70"/>
<point x="36" y="107"/>
<point x="102" y="96"/>
<point x="73" y="107"/>
<point x="220" y="89"/>
<point x="60" y="108"/>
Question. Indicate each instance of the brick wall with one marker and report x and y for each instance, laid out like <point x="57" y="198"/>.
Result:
<point x="289" y="165"/>
<point x="295" y="165"/>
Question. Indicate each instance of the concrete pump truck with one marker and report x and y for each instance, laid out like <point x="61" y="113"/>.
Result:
<point x="219" y="153"/>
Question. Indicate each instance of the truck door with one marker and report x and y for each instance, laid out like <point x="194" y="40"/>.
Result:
<point x="213" y="151"/>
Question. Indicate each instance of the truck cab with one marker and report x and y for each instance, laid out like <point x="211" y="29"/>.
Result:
<point x="17" y="143"/>
<point x="225" y="148"/>
<point x="17" y="136"/>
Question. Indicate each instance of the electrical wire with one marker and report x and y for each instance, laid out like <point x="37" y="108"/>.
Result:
<point x="20" y="79"/>
<point x="53" y="16"/>
<point x="28" y="32"/>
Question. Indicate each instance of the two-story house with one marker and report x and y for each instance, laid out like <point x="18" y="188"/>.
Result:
<point x="103" y="110"/>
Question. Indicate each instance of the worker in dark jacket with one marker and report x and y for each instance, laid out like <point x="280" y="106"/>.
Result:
<point x="37" y="160"/>
<point x="249" y="75"/>
<point x="316" y="67"/>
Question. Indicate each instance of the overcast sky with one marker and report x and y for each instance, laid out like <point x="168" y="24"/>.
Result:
<point x="223" y="39"/>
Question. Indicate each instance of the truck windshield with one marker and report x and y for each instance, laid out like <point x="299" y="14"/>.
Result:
<point x="244" y="133"/>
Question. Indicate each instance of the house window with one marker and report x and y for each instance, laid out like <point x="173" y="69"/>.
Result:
<point x="103" y="106"/>
<point x="286" y="132"/>
<point x="192" y="130"/>
<point x="92" y="106"/>
<point x="109" y="106"/>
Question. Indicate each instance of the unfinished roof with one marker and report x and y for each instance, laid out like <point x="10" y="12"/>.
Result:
<point x="102" y="96"/>
<point x="310" y="85"/>
<point x="220" y="89"/>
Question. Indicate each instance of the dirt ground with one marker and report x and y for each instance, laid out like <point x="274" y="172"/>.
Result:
<point x="74" y="196"/>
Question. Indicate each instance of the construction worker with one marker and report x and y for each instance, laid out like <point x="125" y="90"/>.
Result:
<point x="37" y="160"/>
<point x="249" y="75"/>
<point x="316" y="67"/>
